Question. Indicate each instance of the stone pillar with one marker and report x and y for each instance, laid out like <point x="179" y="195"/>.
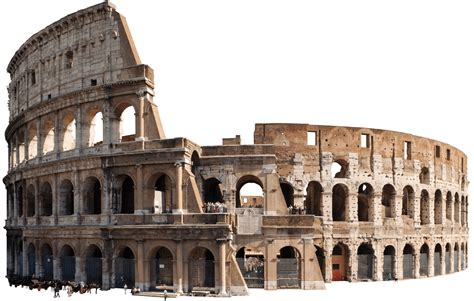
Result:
<point x="443" y="261"/>
<point x="416" y="265"/>
<point x="398" y="209"/>
<point x="416" y="215"/>
<point x="178" y="274"/>
<point x="352" y="208"/>
<point x="80" y="143"/>
<point x="56" y="266"/>
<point x="431" y="253"/>
<point x="56" y="198"/>
<point x="178" y="208"/>
<point x="139" y="117"/>
<point x="80" y="269"/>
<point x="327" y="206"/>
<point x="106" y="272"/>
<point x="139" y="266"/>
<point x="353" y="264"/>
<point x="25" y="259"/>
<point x="328" y="260"/>
<point x="76" y="179"/>
<point x="378" y="260"/>
<point x="139" y="206"/>
<point x="39" y="138"/>
<point x="270" y="282"/>
<point x="222" y="267"/>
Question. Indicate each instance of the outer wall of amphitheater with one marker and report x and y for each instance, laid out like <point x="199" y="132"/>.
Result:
<point x="87" y="202"/>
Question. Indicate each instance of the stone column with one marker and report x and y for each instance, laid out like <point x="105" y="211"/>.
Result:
<point x="139" y="206"/>
<point x="76" y="178"/>
<point x="416" y="215"/>
<point x="80" y="269"/>
<point x="378" y="260"/>
<point x="80" y="143"/>
<point x="39" y="138"/>
<point x="353" y="264"/>
<point x="139" y="117"/>
<point x="398" y="209"/>
<point x="416" y="265"/>
<point x="443" y="260"/>
<point x="222" y="267"/>
<point x="178" y="208"/>
<point x="56" y="199"/>
<point x="352" y="208"/>
<point x="25" y="259"/>
<point x="431" y="253"/>
<point x="327" y="206"/>
<point x="270" y="282"/>
<point x="139" y="266"/>
<point x="178" y="274"/>
<point x="377" y="218"/>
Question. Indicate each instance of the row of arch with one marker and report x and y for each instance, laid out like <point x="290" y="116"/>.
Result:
<point x="64" y="135"/>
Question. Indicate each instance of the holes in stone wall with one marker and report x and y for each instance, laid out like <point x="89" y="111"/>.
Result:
<point x="407" y="150"/>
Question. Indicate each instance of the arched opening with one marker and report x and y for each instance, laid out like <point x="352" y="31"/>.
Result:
<point x="124" y="196"/>
<point x="365" y="203"/>
<point x="389" y="263"/>
<point x="340" y="260"/>
<point x="288" y="268"/>
<point x="21" y="147"/>
<point x="125" y="268"/>
<point x="213" y="191"/>
<point x="66" y="196"/>
<point x="449" y="206"/>
<point x="463" y="211"/>
<point x="287" y="191"/>
<point x="437" y="259"/>
<point x="424" y="254"/>
<point x="408" y="202"/>
<point x="69" y="132"/>
<point x="162" y="269"/>
<point x="195" y="161"/>
<point x="163" y="195"/>
<point x="456" y="207"/>
<point x="365" y="260"/>
<point x="339" y="169"/>
<point x="32" y="142"/>
<point x="321" y="260"/>
<point x="339" y="197"/>
<point x="127" y="124"/>
<point x="424" y="207"/>
<point x="313" y="200"/>
<point x="425" y="176"/>
<point x="249" y="192"/>
<point x="94" y="264"/>
<point x="68" y="263"/>
<point x="438" y="206"/>
<point x="388" y="200"/>
<point x="462" y="256"/>
<point x="46" y="200"/>
<point x="447" y="259"/>
<point x="48" y="141"/>
<point x="456" y="258"/>
<point x="30" y="201"/>
<point x="408" y="264"/>
<point x="96" y="130"/>
<point x="92" y="196"/>
<point x="252" y="266"/>
<point x="20" y="196"/>
<point x="201" y="269"/>
<point x="47" y="262"/>
<point x="31" y="260"/>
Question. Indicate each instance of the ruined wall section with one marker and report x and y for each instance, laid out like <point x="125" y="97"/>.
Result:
<point x="84" y="49"/>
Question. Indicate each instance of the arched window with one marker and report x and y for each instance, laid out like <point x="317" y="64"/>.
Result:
<point x="68" y="263"/>
<point x="388" y="200"/>
<point x="46" y="200"/>
<point x="127" y="124"/>
<point x="449" y="206"/>
<point x="339" y="198"/>
<point x="163" y="194"/>
<point x="125" y="199"/>
<point x="48" y="141"/>
<point x="96" y="130"/>
<point x="69" y="132"/>
<point x="213" y="190"/>
<point x="425" y="176"/>
<point x="125" y="268"/>
<point x="201" y="268"/>
<point x="438" y="206"/>
<point x="456" y="207"/>
<point x="20" y="197"/>
<point x="249" y="192"/>
<point x="92" y="196"/>
<point x="313" y="201"/>
<point x="365" y="203"/>
<point x="32" y="142"/>
<point x="66" y="197"/>
<point x="424" y="207"/>
<point x="365" y="260"/>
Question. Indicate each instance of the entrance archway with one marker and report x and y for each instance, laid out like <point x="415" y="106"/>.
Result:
<point x="201" y="269"/>
<point x="365" y="262"/>
<point x="94" y="264"/>
<point x="389" y="263"/>
<point x="340" y="260"/>
<point x="125" y="268"/>
<point x="288" y="268"/>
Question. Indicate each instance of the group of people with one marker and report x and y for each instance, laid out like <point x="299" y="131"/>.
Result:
<point x="301" y="210"/>
<point x="216" y="207"/>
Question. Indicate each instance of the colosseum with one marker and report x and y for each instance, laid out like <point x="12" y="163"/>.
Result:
<point x="92" y="199"/>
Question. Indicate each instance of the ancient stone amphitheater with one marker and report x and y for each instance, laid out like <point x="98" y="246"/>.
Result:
<point x="88" y="202"/>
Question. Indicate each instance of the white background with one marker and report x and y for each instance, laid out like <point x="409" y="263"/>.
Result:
<point x="222" y="66"/>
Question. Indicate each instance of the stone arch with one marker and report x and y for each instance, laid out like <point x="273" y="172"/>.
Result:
<point x="447" y="258"/>
<point x="463" y="211"/>
<point x="94" y="130"/>
<point x="213" y="191"/>
<point x="321" y="257"/>
<point x="32" y="141"/>
<point x="449" y="206"/>
<point x="288" y="191"/>
<point x="365" y="203"/>
<point x="248" y="179"/>
<point x="456" y="207"/>
<point x="161" y="186"/>
<point x="340" y="169"/>
<point x="30" y="201"/>
<point x="47" y="262"/>
<point x="424" y="259"/>
<point x="425" y="175"/>
<point x="201" y="268"/>
<point x="68" y="129"/>
<point x="340" y="262"/>
<point x="93" y="264"/>
<point x="161" y="268"/>
<point x="67" y="263"/>
<point x="437" y="259"/>
<point x="438" y="207"/>
<point x="66" y="198"/>
<point x="124" y="122"/>
<point x="21" y="146"/>
<point x="48" y="137"/>
<point x="124" y="267"/>
<point x="340" y="194"/>
<point x="389" y="255"/>
<point x="314" y="197"/>
<point x="462" y="256"/>
<point x="288" y="268"/>
<point x="408" y="262"/>
<point x="388" y="200"/>
<point x="365" y="260"/>
<point x="31" y="256"/>
<point x="123" y="195"/>
<point x="252" y="266"/>
<point x="92" y="196"/>
<point x="196" y="161"/>
<point x="408" y="201"/>
<point x="46" y="199"/>
<point x="456" y="257"/>
<point x="20" y="199"/>
<point x="424" y="207"/>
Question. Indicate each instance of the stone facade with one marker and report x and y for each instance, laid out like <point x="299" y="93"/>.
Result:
<point x="339" y="203"/>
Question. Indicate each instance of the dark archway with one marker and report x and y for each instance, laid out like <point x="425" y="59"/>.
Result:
<point x="437" y="259"/>
<point x="340" y="262"/>
<point x="127" y="196"/>
<point x="213" y="191"/>
<point x="20" y="197"/>
<point x="365" y="260"/>
<point x="389" y="263"/>
<point x="125" y="268"/>
<point x="46" y="200"/>
<point x="201" y="269"/>
<point x="288" y="268"/>
<point x="31" y="260"/>
<point x="447" y="259"/>
<point x="66" y="197"/>
<point x="47" y="262"/>
<point x="339" y="197"/>
<point x="243" y="198"/>
<point x="163" y="268"/>
<point x="424" y="254"/>
<point x="288" y="192"/>
<point x="456" y="257"/>
<point x="68" y="263"/>
<point x="388" y="200"/>
<point x="456" y="207"/>
<point x="252" y="266"/>
<point x="425" y="176"/>
<point x="30" y="201"/>
<point x="365" y="203"/>
<point x="313" y="201"/>
<point x="163" y="194"/>
<point x="94" y="264"/>
<point x="92" y="196"/>
<point x="408" y="202"/>
<point x="321" y="260"/>
<point x="424" y="207"/>
<point x="449" y="206"/>
<point x="408" y="262"/>
<point x="438" y="206"/>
